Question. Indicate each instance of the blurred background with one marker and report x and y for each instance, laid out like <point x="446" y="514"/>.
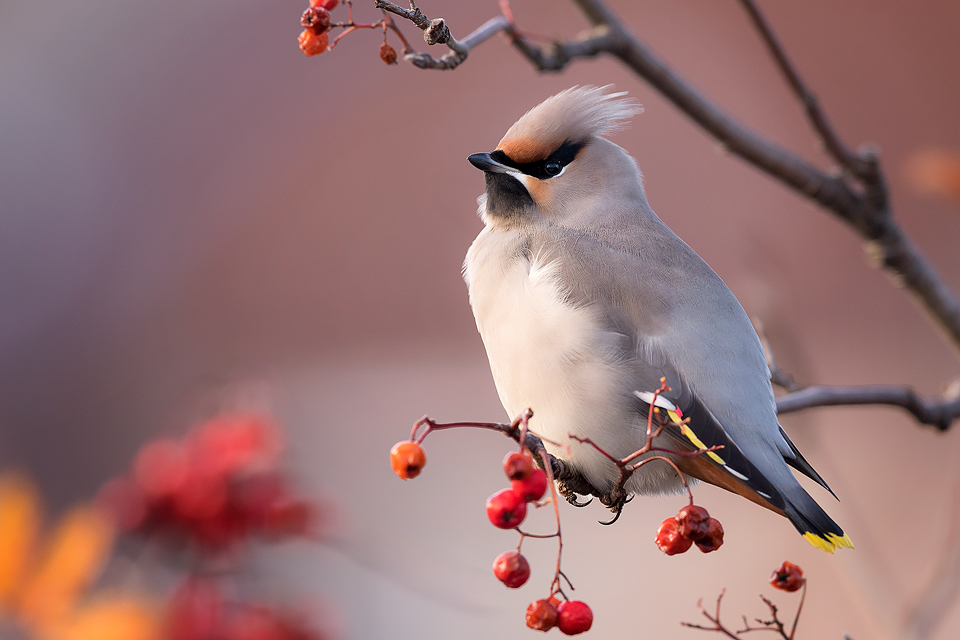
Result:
<point x="194" y="215"/>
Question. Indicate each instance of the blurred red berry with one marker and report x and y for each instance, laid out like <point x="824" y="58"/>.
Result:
<point x="316" y="19"/>
<point x="195" y="611"/>
<point x="388" y="54"/>
<point x="124" y="500"/>
<point x="670" y="539"/>
<point x="517" y="465"/>
<point x="542" y="615"/>
<point x="407" y="459"/>
<point x="329" y="5"/>
<point x="512" y="569"/>
<point x="506" y="509"/>
<point x="227" y="444"/>
<point x="713" y="538"/>
<point x="203" y="496"/>
<point x="533" y="486"/>
<point x="693" y="521"/>
<point x="161" y="468"/>
<point x="312" y="44"/>
<point x="573" y="617"/>
<point x="788" y="577"/>
<point x="295" y="518"/>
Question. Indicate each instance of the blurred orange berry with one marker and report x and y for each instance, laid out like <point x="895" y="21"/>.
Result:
<point x="407" y="459"/>
<point x="312" y="44"/>
<point x="19" y="529"/>
<point x="787" y="577"/>
<point x="329" y="5"/>
<point x="935" y="172"/>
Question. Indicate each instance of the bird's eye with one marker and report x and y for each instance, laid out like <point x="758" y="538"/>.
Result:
<point x="552" y="168"/>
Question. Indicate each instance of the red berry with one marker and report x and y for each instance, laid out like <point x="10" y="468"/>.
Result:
<point x="713" y="538"/>
<point x="693" y="521"/>
<point x="195" y="611"/>
<point x="517" y="465"/>
<point x="542" y="615"/>
<point x="316" y="19"/>
<point x="204" y="495"/>
<point x="231" y="443"/>
<point x="669" y="538"/>
<point x="124" y="500"/>
<point x="574" y="617"/>
<point x="329" y="5"/>
<point x="533" y="486"/>
<point x="788" y="577"/>
<point x="512" y="569"/>
<point x="506" y="509"/>
<point x="408" y="459"/>
<point x="161" y="469"/>
<point x="312" y="44"/>
<point x="388" y="54"/>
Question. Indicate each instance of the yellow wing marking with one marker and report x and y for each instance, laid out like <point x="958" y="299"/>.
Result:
<point x="692" y="437"/>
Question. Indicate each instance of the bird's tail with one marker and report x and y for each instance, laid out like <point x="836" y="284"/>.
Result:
<point x="812" y="522"/>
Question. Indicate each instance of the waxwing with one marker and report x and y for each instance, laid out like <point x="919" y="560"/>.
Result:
<point x="585" y="299"/>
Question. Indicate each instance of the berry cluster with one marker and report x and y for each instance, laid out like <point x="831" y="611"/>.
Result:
<point x="199" y="610"/>
<point x="787" y="577"/>
<point x="572" y="617"/>
<point x="692" y="524"/>
<point x="217" y="486"/>
<point x="315" y="20"/>
<point x="507" y="508"/>
<point x="317" y="25"/>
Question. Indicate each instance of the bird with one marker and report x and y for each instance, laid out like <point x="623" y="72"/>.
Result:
<point x="585" y="299"/>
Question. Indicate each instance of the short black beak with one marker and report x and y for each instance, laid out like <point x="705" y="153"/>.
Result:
<point x="484" y="162"/>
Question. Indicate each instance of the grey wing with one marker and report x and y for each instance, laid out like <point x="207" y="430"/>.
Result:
<point x="682" y="323"/>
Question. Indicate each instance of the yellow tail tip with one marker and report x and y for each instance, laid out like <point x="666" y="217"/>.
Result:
<point x="829" y="542"/>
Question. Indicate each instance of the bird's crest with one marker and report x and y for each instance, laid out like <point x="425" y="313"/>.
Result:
<point x="575" y="114"/>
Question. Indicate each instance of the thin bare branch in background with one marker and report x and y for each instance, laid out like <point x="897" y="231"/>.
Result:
<point x="857" y="195"/>
<point x="436" y="32"/>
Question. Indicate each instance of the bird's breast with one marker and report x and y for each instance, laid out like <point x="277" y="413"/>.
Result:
<point x="546" y="352"/>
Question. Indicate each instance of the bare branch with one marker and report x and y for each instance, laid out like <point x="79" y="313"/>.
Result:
<point x="937" y="412"/>
<point x="437" y="32"/>
<point x="864" y="205"/>
<point x="559" y="54"/>
<point x="818" y="119"/>
<point x="865" y="208"/>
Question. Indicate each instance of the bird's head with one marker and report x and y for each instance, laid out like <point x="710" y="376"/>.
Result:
<point x="553" y="165"/>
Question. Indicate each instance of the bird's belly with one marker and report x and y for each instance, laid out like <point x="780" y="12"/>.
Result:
<point x="558" y="359"/>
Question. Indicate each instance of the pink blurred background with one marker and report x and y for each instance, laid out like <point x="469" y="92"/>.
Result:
<point x="193" y="214"/>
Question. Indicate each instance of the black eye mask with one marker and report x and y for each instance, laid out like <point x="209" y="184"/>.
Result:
<point x="546" y="168"/>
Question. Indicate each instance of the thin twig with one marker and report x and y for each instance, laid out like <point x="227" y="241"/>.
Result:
<point x="715" y="619"/>
<point x="437" y="32"/>
<point x="831" y="141"/>
<point x="864" y="207"/>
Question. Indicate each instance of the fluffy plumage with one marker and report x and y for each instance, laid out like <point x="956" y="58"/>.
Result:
<point x="584" y="299"/>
